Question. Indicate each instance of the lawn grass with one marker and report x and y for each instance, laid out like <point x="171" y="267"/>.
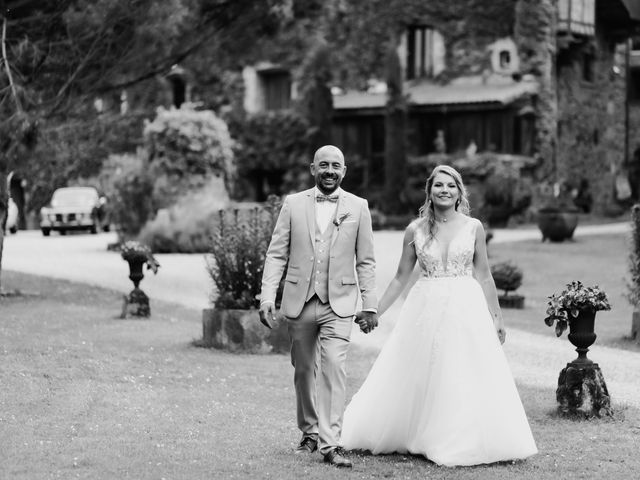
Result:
<point x="87" y="395"/>
<point x="548" y="267"/>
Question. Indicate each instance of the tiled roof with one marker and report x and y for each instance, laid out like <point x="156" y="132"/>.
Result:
<point x="428" y="94"/>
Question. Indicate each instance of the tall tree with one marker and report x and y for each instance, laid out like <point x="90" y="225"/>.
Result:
<point x="59" y="56"/>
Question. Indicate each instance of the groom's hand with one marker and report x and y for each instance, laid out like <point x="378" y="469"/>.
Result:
<point x="367" y="321"/>
<point x="266" y="313"/>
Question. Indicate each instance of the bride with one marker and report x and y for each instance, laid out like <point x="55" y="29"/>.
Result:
<point x="441" y="386"/>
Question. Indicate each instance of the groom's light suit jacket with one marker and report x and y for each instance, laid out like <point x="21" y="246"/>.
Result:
<point x="351" y="256"/>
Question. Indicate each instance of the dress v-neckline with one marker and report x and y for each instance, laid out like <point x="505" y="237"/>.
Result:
<point x="444" y="261"/>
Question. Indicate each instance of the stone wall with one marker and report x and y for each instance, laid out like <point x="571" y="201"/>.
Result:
<point x="591" y="124"/>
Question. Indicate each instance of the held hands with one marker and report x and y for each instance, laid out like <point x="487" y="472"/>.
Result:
<point x="366" y="320"/>
<point x="266" y="313"/>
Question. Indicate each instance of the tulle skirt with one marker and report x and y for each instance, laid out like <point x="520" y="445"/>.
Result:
<point x="441" y="386"/>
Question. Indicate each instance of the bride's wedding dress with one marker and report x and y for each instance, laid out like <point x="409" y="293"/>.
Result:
<point x="441" y="386"/>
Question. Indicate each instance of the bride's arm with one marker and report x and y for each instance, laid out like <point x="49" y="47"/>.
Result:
<point x="482" y="273"/>
<point x="403" y="274"/>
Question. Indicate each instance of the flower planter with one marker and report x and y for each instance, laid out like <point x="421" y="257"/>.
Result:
<point x="240" y="331"/>
<point x="582" y="334"/>
<point x="511" y="301"/>
<point x="557" y="225"/>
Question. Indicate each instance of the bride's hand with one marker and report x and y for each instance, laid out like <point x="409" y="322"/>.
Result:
<point x="502" y="334"/>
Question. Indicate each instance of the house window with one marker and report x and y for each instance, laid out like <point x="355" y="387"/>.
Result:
<point x="420" y="52"/>
<point x="277" y="89"/>
<point x="505" y="59"/>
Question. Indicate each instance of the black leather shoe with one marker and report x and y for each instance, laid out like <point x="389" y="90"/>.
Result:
<point x="336" y="458"/>
<point x="307" y="445"/>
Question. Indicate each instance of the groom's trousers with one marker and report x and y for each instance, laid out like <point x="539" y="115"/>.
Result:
<point x="319" y="345"/>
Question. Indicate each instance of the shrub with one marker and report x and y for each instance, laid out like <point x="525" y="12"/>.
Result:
<point x="506" y="194"/>
<point x="237" y="254"/>
<point x="633" y="285"/>
<point x="185" y="148"/>
<point x="507" y="276"/>
<point x="127" y="184"/>
<point x="187" y="226"/>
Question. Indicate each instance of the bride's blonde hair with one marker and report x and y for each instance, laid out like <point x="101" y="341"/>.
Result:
<point x="426" y="214"/>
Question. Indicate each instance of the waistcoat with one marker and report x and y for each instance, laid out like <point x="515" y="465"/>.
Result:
<point x="320" y="274"/>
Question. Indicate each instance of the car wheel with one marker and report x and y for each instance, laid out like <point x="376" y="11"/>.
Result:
<point x="93" y="229"/>
<point x="63" y="231"/>
<point x="46" y="232"/>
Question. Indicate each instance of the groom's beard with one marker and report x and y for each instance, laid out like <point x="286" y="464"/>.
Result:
<point x="332" y="186"/>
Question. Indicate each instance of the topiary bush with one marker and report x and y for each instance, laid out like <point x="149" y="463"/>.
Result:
<point x="507" y="276"/>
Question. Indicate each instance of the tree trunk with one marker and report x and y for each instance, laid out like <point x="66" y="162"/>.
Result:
<point x="395" y="137"/>
<point x="4" y="203"/>
<point x="317" y="102"/>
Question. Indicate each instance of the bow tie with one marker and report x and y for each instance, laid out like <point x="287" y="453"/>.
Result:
<point x="327" y="198"/>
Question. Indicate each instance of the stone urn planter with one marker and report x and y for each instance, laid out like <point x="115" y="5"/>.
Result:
<point x="137" y="255"/>
<point x="240" y="331"/>
<point x="557" y="225"/>
<point x="582" y="391"/>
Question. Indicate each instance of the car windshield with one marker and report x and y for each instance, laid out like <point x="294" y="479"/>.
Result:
<point x="73" y="196"/>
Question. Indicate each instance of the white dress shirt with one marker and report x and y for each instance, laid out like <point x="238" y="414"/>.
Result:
<point x="325" y="211"/>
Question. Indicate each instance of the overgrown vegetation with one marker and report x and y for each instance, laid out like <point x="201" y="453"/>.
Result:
<point x="272" y="152"/>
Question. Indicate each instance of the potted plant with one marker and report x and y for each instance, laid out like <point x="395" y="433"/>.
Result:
<point x="235" y="263"/>
<point x="633" y="285"/>
<point x="508" y="278"/>
<point x="137" y="255"/>
<point x="557" y="219"/>
<point x="575" y="307"/>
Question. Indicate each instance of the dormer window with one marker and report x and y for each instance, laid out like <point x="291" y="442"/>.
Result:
<point x="424" y="52"/>
<point x="504" y="56"/>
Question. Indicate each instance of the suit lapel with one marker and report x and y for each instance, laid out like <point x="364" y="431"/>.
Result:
<point x="311" y="216"/>
<point x="341" y="210"/>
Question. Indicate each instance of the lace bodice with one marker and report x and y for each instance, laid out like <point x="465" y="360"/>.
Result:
<point x="457" y="261"/>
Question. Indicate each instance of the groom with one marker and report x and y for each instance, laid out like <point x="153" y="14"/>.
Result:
<point x="325" y="235"/>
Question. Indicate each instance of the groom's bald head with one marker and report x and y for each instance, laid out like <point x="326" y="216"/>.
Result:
<point x="329" y="150"/>
<point x="328" y="168"/>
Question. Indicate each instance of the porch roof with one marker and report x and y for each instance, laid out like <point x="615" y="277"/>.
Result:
<point x="432" y="95"/>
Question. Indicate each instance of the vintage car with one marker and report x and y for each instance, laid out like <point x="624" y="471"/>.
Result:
<point x="74" y="208"/>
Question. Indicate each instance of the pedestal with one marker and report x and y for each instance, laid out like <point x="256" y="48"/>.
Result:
<point x="582" y="392"/>
<point x="136" y="304"/>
